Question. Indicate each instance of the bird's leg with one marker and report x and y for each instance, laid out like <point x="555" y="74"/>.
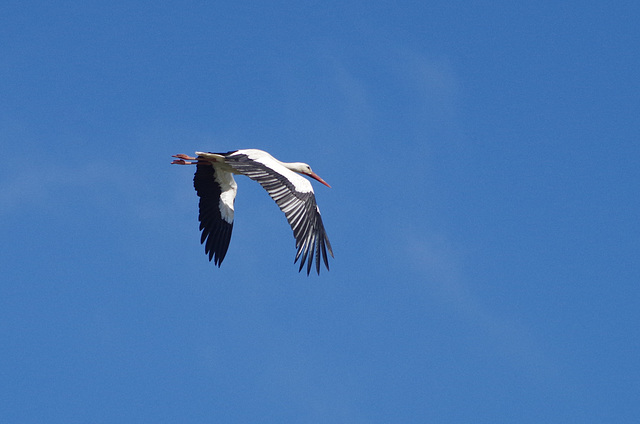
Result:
<point x="186" y="160"/>
<point x="183" y="156"/>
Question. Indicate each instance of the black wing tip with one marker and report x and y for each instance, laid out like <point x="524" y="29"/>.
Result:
<point x="215" y="257"/>
<point x="307" y="256"/>
<point x="216" y="241"/>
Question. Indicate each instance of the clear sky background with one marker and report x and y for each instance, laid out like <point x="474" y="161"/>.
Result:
<point x="484" y="158"/>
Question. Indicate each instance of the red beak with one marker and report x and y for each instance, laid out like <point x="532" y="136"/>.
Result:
<point x="316" y="177"/>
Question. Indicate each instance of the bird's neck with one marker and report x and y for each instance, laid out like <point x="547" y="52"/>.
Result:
<point x="294" y="166"/>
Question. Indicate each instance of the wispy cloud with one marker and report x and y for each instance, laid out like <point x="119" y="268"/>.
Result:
<point x="48" y="183"/>
<point x="506" y="337"/>
<point x="57" y="184"/>
<point x="18" y="188"/>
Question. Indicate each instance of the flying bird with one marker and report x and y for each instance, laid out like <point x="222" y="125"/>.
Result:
<point x="293" y="193"/>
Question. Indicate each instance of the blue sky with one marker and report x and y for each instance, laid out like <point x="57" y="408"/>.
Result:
<point x="484" y="212"/>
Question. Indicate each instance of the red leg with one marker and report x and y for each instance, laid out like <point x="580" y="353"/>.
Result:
<point x="186" y="160"/>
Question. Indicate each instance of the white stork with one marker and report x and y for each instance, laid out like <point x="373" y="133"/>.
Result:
<point x="217" y="189"/>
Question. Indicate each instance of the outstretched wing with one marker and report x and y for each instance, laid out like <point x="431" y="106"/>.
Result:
<point x="217" y="191"/>
<point x="294" y="195"/>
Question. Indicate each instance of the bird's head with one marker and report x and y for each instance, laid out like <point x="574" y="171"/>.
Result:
<point x="303" y="168"/>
